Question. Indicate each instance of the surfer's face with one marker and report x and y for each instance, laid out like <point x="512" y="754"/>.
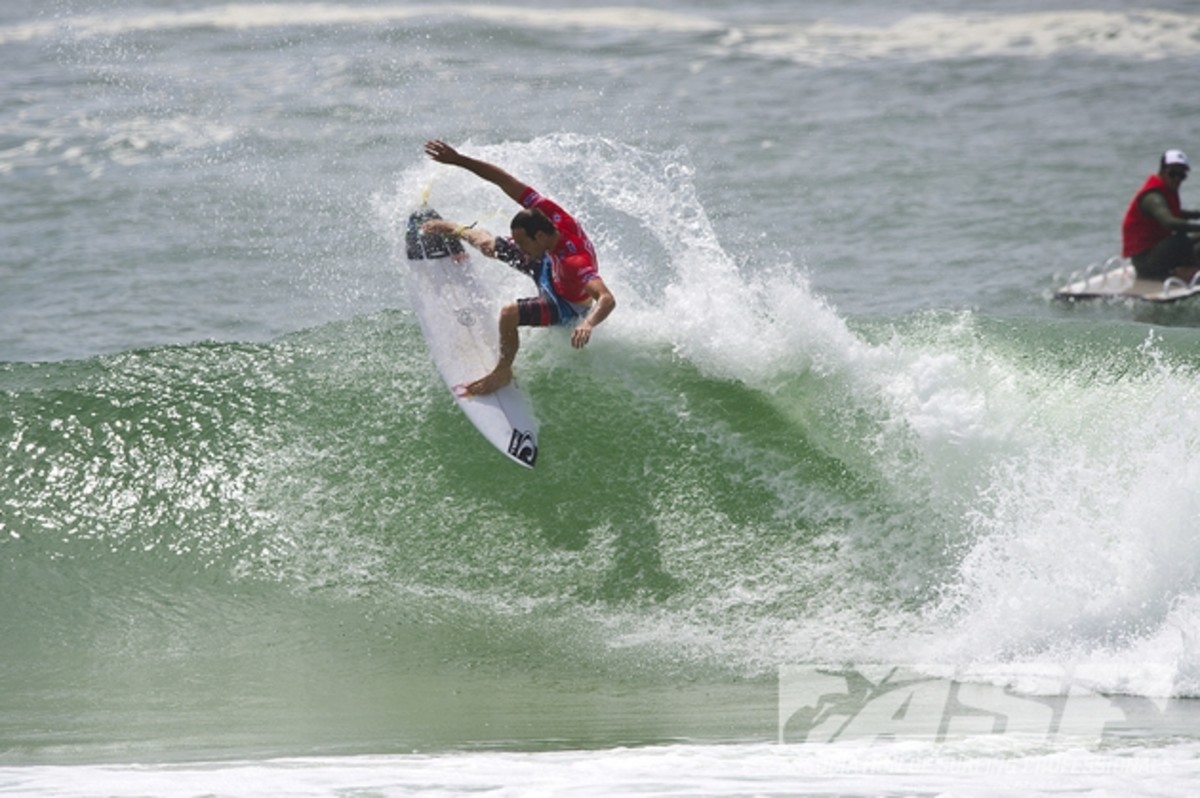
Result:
<point x="534" y="246"/>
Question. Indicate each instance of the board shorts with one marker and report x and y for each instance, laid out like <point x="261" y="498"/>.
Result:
<point x="547" y="309"/>
<point x="543" y="311"/>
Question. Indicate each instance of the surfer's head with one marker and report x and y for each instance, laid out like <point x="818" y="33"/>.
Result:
<point x="533" y="232"/>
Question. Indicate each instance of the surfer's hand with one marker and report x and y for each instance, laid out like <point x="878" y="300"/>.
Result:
<point x="441" y="152"/>
<point x="477" y="237"/>
<point x="443" y="227"/>
<point x="581" y="334"/>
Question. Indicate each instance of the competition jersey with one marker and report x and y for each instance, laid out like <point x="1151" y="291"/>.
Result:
<point x="566" y="269"/>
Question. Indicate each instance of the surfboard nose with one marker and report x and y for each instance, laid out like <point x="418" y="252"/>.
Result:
<point x="427" y="246"/>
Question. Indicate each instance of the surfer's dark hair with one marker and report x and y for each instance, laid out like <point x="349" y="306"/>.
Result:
<point x="533" y="222"/>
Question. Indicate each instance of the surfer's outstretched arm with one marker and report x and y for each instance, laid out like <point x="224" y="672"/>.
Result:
<point x="442" y="152"/>
<point x="477" y="237"/>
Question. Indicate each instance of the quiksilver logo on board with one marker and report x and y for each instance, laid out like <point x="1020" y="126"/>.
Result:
<point x="523" y="446"/>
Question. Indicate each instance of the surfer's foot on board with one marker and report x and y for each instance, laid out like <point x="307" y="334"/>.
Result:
<point x="500" y="376"/>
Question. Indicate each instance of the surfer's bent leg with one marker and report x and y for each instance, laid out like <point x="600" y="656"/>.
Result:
<point x="510" y="342"/>
<point x="533" y="312"/>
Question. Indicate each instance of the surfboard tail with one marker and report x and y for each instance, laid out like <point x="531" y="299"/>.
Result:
<point x="522" y="447"/>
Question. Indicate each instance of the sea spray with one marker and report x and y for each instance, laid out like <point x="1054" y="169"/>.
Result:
<point x="897" y="475"/>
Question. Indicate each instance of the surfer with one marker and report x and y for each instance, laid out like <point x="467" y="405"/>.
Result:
<point x="548" y="245"/>
<point x="1156" y="232"/>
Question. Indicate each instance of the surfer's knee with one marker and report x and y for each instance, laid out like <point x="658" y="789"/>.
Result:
<point x="510" y="315"/>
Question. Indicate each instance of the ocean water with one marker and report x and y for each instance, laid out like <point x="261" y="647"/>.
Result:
<point x="248" y="546"/>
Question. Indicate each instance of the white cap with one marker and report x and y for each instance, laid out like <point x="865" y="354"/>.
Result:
<point x="1175" y="157"/>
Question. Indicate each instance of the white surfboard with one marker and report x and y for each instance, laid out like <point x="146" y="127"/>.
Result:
<point x="459" y="321"/>
<point x="1117" y="279"/>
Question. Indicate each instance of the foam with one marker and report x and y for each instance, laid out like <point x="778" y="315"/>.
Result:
<point x="1148" y="35"/>
<point x="1143" y="35"/>
<point x="236" y="16"/>
<point x="1083" y="548"/>
<point x="972" y="768"/>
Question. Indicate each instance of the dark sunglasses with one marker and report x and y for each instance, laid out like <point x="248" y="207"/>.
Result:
<point x="1178" y="174"/>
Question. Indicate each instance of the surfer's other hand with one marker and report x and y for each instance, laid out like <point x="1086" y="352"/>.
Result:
<point x="581" y="334"/>
<point x="440" y="151"/>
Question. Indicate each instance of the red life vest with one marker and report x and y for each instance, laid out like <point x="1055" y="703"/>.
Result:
<point x="1140" y="231"/>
